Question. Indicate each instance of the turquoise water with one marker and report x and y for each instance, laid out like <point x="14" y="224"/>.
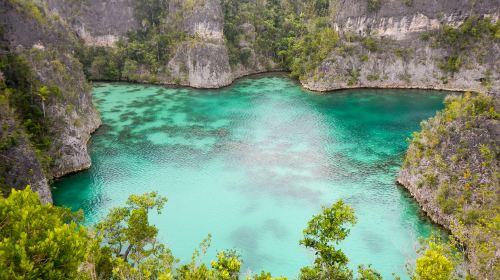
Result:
<point x="253" y="162"/>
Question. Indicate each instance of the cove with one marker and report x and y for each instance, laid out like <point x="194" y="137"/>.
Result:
<point x="252" y="163"/>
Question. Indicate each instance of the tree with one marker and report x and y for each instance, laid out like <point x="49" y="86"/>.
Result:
<point x="196" y="269"/>
<point x="227" y="265"/>
<point x="39" y="241"/>
<point x="132" y="240"/>
<point x="266" y="276"/>
<point x="368" y="273"/>
<point x="322" y="233"/>
<point x="438" y="262"/>
<point x="43" y="93"/>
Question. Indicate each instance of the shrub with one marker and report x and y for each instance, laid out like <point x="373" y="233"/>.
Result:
<point x="370" y="43"/>
<point x="374" y="5"/>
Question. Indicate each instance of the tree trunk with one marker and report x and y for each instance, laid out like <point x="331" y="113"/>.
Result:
<point x="125" y="255"/>
<point x="43" y="108"/>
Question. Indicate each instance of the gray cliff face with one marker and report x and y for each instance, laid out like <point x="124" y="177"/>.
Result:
<point x="419" y="67"/>
<point x="72" y="113"/>
<point x="201" y="65"/>
<point x="70" y="116"/>
<point x="399" y="26"/>
<point x="398" y="20"/>
<point x="98" y="23"/>
<point x="20" y="166"/>
<point x="203" y="61"/>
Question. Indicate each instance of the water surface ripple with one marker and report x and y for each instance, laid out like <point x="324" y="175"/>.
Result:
<point x="253" y="162"/>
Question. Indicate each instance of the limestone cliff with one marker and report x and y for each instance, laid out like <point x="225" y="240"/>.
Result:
<point x="404" y="58"/>
<point x="96" y="22"/>
<point x="201" y="61"/>
<point x="224" y="40"/>
<point x="47" y="111"/>
<point x="198" y="58"/>
<point x="19" y="163"/>
<point x="451" y="168"/>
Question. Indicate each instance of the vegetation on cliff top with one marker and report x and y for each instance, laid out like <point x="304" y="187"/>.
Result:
<point x="144" y="53"/>
<point x="43" y="241"/>
<point x="456" y="159"/>
<point x="268" y="35"/>
<point x="464" y="42"/>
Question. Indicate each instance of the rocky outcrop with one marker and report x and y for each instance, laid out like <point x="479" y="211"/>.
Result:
<point x="403" y="59"/>
<point x="55" y="84"/>
<point x="72" y="113"/>
<point x="98" y="23"/>
<point x="403" y="19"/>
<point x="201" y="65"/>
<point x="403" y="64"/>
<point x="19" y="164"/>
<point x="451" y="169"/>
<point x="203" y="60"/>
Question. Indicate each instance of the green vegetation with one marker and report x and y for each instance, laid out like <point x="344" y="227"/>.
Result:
<point x="408" y="3"/>
<point x="23" y="91"/>
<point x="260" y="27"/>
<point x="462" y="170"/>
<point x="42" y="241"/>
<point x="32" y="9"/>
<point x="438" y="260"/>
<point x="270" y="28"/>
<point x="288" y="34"/>
<point x="144" y="53"/>
<point x="307" y="52"/>
<point x="469" y="38"/>
<point x="374" y="5"/>
<point x="322" y="233"/>
<point x="39" y="241"/>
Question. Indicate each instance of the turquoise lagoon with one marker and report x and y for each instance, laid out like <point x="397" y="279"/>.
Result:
<point x="251" y="163"/>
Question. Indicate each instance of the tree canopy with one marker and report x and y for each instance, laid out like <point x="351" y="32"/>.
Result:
<point x="42" y="241"/>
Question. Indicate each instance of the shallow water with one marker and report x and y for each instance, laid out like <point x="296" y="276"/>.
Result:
<point x="253" y="162"/>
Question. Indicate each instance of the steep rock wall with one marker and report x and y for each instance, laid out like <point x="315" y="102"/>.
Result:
<point x="98" y="23"/>
<point x="47" y="46"/>
<point x="202" y="61"/>
<point x="19" y="164"/>
<point x="451" y="169"/>
<point x="418" y="67"/>
<point x="400" y="19"/>
<point x="400" y="26"/>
